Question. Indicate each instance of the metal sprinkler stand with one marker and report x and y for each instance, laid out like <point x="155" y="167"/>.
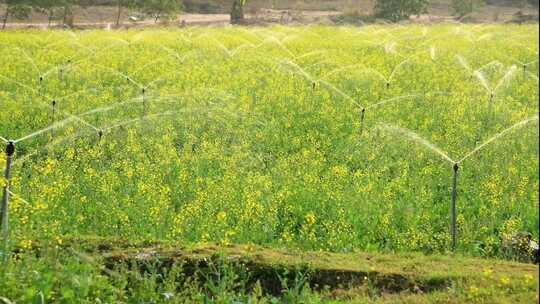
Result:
<point x="453" y="211"/>
<point x="387" y="84"/>
<point x="53" y="104"/>
<point x="10" y="150"/>
<point x="362" y="116"/>
<point x="143" y="91"/>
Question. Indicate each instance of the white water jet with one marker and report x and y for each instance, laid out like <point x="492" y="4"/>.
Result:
<point x="416" y="138"/>
<point x="499" y="135"/>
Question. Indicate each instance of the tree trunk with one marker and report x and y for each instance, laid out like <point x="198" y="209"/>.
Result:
<point x="237" y="12"/>
<point x="119" y="13"/>
<point x="6" y="16"/>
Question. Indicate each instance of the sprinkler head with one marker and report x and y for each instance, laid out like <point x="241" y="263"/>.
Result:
<point x="314" y="85"/>
<point x="363" y="111"/>
<point x="387" y="85"/>
<point x="69" y="61"/>
<point x="143" y="90"/>
<point x="10" y="148"/>
<point x="40" y="79"/>
<point x="456" y="167"/>
<point x="54" y="103"/>
<point x="100" y="133"/>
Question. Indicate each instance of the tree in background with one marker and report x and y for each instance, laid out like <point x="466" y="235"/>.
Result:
<point x="463" y="8"/>
<point x="50" y="8"/>
<point x="237" y="11"/>
<point x="123" y="4"/>
<point x="161" y="9"/>
<point x="65" y="11"/>
<point x="396" y="10"/>
<point x="16" y="9"/>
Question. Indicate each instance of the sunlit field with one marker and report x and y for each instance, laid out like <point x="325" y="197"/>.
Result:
<point x="310" y="137"/>
<point x="313" y="138"/>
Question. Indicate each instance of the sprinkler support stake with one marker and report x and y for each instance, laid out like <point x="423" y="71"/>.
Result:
<point x="10" y="150"/>
<point x="143" y="91"/>
<point x="52" y="115"/>
<point x="40" y="85"/>
<point x="453" y="211"/>
<point x="362" y="116"/>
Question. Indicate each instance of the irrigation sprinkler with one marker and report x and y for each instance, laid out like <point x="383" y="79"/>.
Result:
<point x="143" y="92"/>
<point x="453" y="211"/>
<point x="362" y="116"/>
<point x="40" y="91"/>
<point x="10" y="150"/>
<point x="53" y="110"/>
<point x="455" y="163"/>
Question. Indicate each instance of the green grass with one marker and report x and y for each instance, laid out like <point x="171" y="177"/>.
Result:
<point x="253" y="136"/>
<point x="118" y="270"/>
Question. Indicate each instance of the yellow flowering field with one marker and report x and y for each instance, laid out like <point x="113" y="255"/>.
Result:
<point x="314" y="137"/>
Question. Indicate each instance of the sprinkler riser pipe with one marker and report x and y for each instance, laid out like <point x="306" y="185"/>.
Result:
<point x="362" y="117"/>
<point x="453" y="230"/>
<point x="10" y="150"/>
<point x="52" y="115"/>
<point x="143" y="101"/>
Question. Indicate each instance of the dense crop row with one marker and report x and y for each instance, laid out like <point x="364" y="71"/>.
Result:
<point x="295" y="136"/>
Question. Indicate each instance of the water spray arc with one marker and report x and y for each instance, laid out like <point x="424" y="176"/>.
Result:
<point x="455" y="163"/>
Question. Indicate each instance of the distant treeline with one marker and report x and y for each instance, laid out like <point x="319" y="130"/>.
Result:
<point x="63" y="10"/>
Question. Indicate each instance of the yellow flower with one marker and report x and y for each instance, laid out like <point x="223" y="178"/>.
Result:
<point x="221" y="216"/>
<point x="505" y="280"/>
<point x="310" y="218"/>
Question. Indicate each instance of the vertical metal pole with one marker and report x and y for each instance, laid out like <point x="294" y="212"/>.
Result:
<point x="144" y="101"/>
<point x="490" y="105"/>
<point x="362" y="116"/>
<point x="454" y="197"/>
<point x="10" y="150"/>
<point x="52" y="116"/>
<point x="41" y="85"/>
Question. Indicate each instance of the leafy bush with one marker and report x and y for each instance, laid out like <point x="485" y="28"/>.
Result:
<point x="396" y="10"/>
<point x="465" y="7"/>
